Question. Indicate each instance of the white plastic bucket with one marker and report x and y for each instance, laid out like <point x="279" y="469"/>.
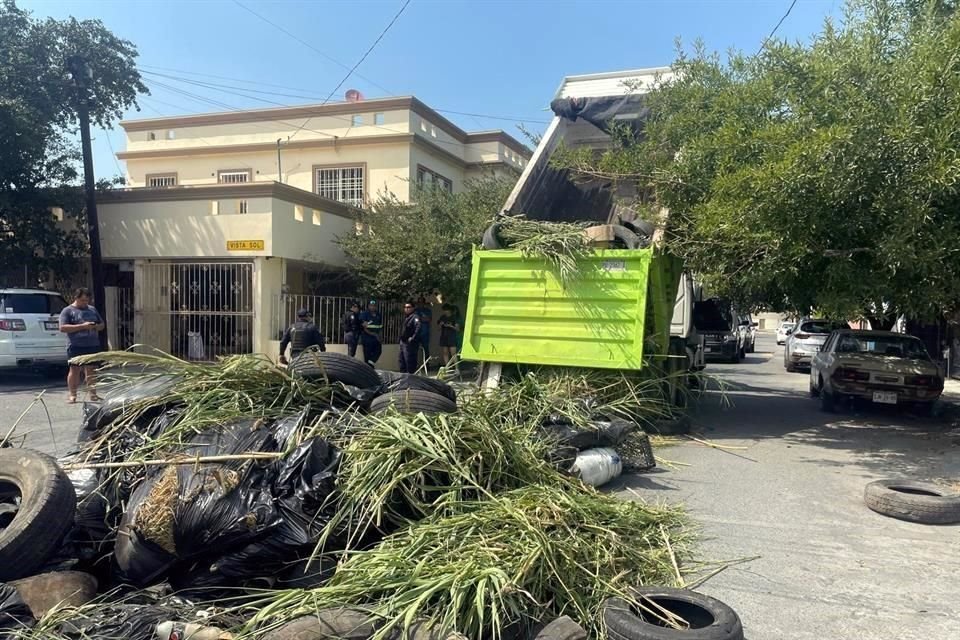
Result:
<point x="598" y="466"/>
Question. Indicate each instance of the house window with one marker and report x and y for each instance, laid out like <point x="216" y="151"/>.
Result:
<point x="159" y="180"/>
<point x="378" y="118"/>
<point x="433" y="131"/>
<point x="171" y="135"/>
<point x="423" y="126"/>
<point x="151" y="136"/>
<point x="298" y="212"/>
<point x="427" y="179"/>
<point x="343" y="184"/>
<point x="233" y="176"/>
<point x="243" y="206"/>
<point x="317" y="219"/>
<point x="356" y="120"/>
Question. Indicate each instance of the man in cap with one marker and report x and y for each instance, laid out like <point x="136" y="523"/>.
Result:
<point x="372" y="323"/>
<point x="352" y="329"/>
<point x="299" y="336"/>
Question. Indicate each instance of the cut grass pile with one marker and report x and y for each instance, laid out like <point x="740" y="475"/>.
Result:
<point x="526" y="555"/>
<point x="561" y="244"/>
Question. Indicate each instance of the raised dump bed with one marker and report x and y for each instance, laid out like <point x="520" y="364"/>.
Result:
<point x="612" y="314"/>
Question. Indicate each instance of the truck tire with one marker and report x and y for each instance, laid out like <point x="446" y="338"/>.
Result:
<point x="709" y="619"/>
<point x="628" y="238"/>
<point x="413" y="401"/>
<point x="32" y="531"/>
<point x="410" y="382"/>
<point x="328" y="624"/>
<point x="913" y="501"/>
<point x="491" y="237"/>
<point x="335" y="367"/>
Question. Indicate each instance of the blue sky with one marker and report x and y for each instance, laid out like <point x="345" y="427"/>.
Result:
<point x="491" y="57"/>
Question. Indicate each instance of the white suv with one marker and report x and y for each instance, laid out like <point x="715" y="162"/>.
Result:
<point x="30" y="335"/>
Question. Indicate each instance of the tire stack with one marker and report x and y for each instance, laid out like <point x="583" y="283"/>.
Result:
<point x="380" y="392"/>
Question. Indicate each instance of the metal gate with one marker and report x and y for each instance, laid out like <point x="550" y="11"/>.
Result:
<point x="195" y="310"/>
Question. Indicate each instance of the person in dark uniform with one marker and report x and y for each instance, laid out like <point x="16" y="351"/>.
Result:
<point x="409" y="338"/>
<point x="299" y="336"/>
<point x="352" y="329"/>
<point x="372" y="323"/>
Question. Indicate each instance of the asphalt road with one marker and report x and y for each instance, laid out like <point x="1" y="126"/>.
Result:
<point x="49" y="424"/>
<point x="792" y="493"/>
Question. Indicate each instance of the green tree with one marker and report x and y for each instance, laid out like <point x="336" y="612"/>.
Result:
<point x="814" y="176"/>
<point x="39" y="161"/>
<point x="406" y="249"/>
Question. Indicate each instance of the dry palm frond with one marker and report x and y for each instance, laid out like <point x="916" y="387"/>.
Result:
<point x="560" y="244"/>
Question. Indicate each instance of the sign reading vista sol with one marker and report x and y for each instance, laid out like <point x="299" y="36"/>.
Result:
<point x="245" y="245"/>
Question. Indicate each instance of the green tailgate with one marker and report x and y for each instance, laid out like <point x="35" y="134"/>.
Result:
<point x="518" y="312"/>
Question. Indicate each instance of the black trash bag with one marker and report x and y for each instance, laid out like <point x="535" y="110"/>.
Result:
<point x="299" y="485"/>
<point x="286" y="428"/>
<point x="597" y="433"/>
<point x="119" y="396"/>
<point x="14" y="613"/>
<point x="113" y="622"/>
<point x="224" y="524"/>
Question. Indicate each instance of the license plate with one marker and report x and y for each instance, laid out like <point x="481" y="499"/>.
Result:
<point x="51" y="325"/>
<point x="885" y="397"/>
<point x="614" y="265"/>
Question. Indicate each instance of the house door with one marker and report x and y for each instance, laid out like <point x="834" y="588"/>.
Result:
<point x="195" y="310"/>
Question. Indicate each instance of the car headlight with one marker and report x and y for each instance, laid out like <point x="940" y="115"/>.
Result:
<point x="730" y="338"/>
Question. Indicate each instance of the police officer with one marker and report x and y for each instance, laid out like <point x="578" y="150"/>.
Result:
<point x="372" y="323"/>
<point x="300" y="335"/>
<point x="409" y="338"/>
<point x="352" y="329"/>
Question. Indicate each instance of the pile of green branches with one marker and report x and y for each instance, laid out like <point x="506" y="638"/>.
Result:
<point x="500" y="563"/>
<point x="560" y="244"/>
<point x="208" y="395"/>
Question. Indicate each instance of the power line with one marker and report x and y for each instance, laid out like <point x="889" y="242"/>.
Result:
<point x="113" y="153"/>
<point x="304" y="92"/>
<point x="310" y="46"/>
<point x="360" y="61"/>
<point x="772" y="33"/>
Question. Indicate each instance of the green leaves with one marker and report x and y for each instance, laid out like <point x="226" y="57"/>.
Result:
<point x="425" y="245"/>
<point x="820" y="175"/>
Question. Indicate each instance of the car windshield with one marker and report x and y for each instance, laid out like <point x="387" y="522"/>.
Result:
<point x="895" y="346"/>
<point x="709" y="315"/>
<point x="31" y="303"/>
<point x="818" y="326"/>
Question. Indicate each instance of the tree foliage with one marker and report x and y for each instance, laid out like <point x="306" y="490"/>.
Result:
<point x="426" y="245"/>
<point x="814" y="176"/>
<point x="38" y="159"/>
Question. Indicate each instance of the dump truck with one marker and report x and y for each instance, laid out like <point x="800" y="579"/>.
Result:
<point x="628" y="307"/>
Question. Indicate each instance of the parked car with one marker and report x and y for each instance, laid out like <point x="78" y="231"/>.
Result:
<point x="748" y="329"/>
<point x="879" y="366"/>
<point x="784" y="331"/>
<point x="715" y="320"/>
<point x="30" y="335"/>
<point x="805" y="342"/>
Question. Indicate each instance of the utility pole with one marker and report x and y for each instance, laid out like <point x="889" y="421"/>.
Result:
<point x="81" y="78"/>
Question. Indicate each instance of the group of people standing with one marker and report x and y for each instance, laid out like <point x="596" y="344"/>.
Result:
<point x="363" y="329"/>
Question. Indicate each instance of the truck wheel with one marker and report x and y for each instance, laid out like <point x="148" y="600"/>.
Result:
<point x="621" y="234"/>
<point x="828" y="403"/>
<point x="913" y="501"/>
<point x="37" y="505"/>
<point x="789" y="366"/>
<point x="814" y="389"/>
<point x="413" y="401"/>
<point x="335" y="367"/>
<point x="708" y="618"/>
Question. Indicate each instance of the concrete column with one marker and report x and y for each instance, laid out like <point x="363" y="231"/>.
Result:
<point x="268" y="276"/>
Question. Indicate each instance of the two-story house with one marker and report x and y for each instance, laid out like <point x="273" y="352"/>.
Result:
<point x="227" y="211"/>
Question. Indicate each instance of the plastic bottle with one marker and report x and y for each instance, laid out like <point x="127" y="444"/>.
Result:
<point x="598" y="466"/>
<point x="182" y="631"/>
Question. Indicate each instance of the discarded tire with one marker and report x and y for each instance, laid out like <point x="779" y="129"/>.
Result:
<point x="31" y="531"/>
<point x="328" y="624"/>
<point x="491" y="239"/>
<point x="913" y="501"/>
<point x="413" y="382"/>
<point x="621" y="234"/>
<point x="413" y="401"/>
<point x="640" y="227"/>
<point x="335" y="367"/>
<point x="708" y="618"/>
<point x="563" y="628"/>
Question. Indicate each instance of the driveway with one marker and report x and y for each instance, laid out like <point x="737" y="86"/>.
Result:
<point x="50" y="424"/>
<point x="790" y="490"/>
